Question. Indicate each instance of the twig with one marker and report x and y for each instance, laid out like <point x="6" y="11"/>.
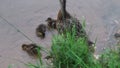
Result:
<point x="17" y="29"/>
<point x="22" y="33"/>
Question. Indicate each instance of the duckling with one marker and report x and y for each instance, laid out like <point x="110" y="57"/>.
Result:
<point x="40" y="30"/>
<point x="51" y="23"/>
<point x="31" y="49"/>
<point x="117" y="35"/>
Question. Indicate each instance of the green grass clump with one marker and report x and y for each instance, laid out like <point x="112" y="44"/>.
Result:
<point x="69" y="52"/>
<point x="110" y="59"/>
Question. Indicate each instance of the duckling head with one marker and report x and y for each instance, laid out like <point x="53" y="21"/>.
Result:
<point x="117" y="35"/>
<point x="31" y="49"/>
<point x="25" y="47"/>
<point x="49" y="19"/>
<point x="51" y="22"/>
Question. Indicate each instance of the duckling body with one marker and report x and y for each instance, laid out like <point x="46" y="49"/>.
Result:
<point x="51" y="23"/>
<point x="40" y="30"/>
<point x="117" y="37"/>
<point x="31" y="49"/>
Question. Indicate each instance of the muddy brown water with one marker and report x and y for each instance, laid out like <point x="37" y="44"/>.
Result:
<point x="102" y="21"/>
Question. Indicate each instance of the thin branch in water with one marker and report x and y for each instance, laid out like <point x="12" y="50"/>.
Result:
<point x="17" y="29"/>
<point x="22" y="33"/>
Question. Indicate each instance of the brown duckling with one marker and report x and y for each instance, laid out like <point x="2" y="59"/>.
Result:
<point x="40" y="30"/>
<point x="117" y="35"/>
<point x="51" y="23"/>
<point x="31" y="49"/>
